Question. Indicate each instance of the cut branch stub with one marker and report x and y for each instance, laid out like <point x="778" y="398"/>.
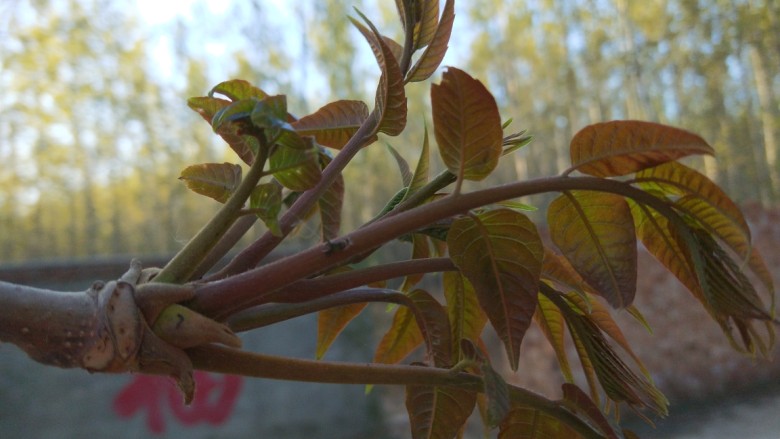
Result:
<point x="105" y="329"/>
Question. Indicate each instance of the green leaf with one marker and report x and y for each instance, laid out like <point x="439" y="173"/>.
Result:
<point x="435" y="328"/>
<point x="500" y="253"/>
<point x="270" y="112"/>
<point x="513" y="142"/>
<point x="266" y="202"/>
<point x="390" y="105"/>
<point x="595" y="231"/>
<point x="214" y="180"/>
<point x="624" y="146"/>
<point x="433" y="55"/>
<point x="237" y="110"/>
<point x="330" y="204"/>
<point x="467" y="320"/>
<point x="466" y="124"/>
<point x="438" y="412"/>
<point x="237" y="89"/>
<point x="334" y="124"/>
<point x="655" y="232"/>
<point x="579" y="402"/>
<point x="296" y="169"/>
<point x="231" y="122"/>
<point x="421" y="171"/>
<point x="497" y="393"/>
<point x="331" y="322"/>
<point x="516" y="205"/>
<point x="207" y="107"/>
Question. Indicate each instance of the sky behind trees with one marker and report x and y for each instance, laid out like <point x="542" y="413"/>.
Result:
<point x="94" y="127"/>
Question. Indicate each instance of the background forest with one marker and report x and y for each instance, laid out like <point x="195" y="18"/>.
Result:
<point x="94" y="126"/>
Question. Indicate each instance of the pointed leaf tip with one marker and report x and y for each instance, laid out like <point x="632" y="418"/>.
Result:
<point x="466" y="124"/>
<point x="500" y="253"/>
<point x="621" y="147"/>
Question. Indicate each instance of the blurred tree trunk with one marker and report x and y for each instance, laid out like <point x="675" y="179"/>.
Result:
<point x="768" y="115"/>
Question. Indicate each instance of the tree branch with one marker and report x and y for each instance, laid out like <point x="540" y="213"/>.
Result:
<point x="235" y="293"/>
<point x="308" y="289"/>
<point x="254" y="253"/>
<point x="189" y="259"/>
<point x="226" y="360"/>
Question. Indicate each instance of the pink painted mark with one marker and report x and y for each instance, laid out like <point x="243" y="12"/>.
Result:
<point x="215" y="399"/>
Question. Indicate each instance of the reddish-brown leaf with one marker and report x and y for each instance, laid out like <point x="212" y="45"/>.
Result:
<point x="394" y="47"/>
<point x="435" y="328"/>
<point x="466" y="124"/>
<point x="390" y="105"/>
<point x="709" y="204"/>
<point x="558" y="270"/>
<point x="578" y="400"/>
<point x="618" y="381"/>
<point x="432" y="56"/>
<point x="621" y="147"/>
<point x="438" y="412"/>
<point x="530" y="423"/>
<point x="601" y="317"/>
<point x="334" y="124"/>
<point x="500" y="253"/>
<point x="427" y="22"/>
<point x="421" y="319"/>
<point x="595" y="231"/>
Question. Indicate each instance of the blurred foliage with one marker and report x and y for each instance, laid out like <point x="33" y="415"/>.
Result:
<point x="94" y="128"/>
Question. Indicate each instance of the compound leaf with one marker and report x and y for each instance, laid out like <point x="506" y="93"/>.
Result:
<point x="433" y="54"/>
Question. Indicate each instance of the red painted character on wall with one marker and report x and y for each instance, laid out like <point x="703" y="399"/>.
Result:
<point x="214" y="401"/>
